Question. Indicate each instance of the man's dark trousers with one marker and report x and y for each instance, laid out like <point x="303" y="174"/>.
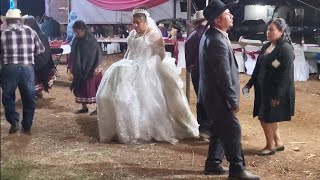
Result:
<point x="205" y="125"/>
<point x="226" y="140"/>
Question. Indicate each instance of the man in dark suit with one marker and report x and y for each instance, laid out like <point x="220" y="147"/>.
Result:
<point x="192" y="62"/>
<point x="219" y="91"/>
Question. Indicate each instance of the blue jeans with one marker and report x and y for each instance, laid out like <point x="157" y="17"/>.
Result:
<point x="20" y="76"/>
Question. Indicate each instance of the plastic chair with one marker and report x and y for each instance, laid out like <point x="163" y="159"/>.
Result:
<point x="109" y="49"/>
<point x="181" y="55"/>
<point x="238" y="53"/>
<point x="57" y="52"/>
<point x="168" y="54"/>
<point x="116" y="47"/>
<point x="312" y="62"/>
<point x="301" y="67"/>
<point x="252" y="53"/>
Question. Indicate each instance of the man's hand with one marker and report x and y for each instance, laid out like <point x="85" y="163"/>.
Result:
<point x="245" y="91"/>
<point x="235" y="109"/>
<point x="70" y="76"/>
<point x="275" y="102"/>
<point x="97" y="70"/>
<point x="190" y="68"/>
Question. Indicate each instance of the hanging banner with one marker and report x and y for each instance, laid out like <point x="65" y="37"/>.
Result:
<point x="117" y="5"/>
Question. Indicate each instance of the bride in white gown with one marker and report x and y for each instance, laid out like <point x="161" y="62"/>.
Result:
<point x="140" y="97"/>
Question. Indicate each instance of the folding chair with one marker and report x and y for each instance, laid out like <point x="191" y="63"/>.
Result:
<point x="238" y="54"/>
<point x="58" y="53"/>
<point x="301" y="67"/>
<point x="252" y="53"/>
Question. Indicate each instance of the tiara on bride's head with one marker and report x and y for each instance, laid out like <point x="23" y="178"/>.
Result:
<point x="143" y="11"/>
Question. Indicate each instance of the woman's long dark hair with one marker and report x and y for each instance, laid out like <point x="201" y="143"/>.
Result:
<point x="32" y="23"/>
<point x="43" y="62"/>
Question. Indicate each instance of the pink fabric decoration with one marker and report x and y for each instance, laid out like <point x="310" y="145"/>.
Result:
<point x="117" y="5"/>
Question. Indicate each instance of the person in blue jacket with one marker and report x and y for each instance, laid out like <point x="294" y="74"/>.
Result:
<point x="70" y="34"/>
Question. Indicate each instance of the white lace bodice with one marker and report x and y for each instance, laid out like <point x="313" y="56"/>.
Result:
<point x="142" y="47"/>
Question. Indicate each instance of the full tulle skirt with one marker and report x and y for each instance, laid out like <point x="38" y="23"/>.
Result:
<point x="142" y="101"/>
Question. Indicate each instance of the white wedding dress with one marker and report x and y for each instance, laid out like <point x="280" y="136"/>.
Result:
<point x="140" y="97"/>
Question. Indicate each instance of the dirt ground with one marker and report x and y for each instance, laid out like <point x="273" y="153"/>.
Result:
<point x="65" y="146"/>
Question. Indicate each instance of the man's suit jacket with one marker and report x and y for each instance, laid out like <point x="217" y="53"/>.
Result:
<point x="219" y="88"/>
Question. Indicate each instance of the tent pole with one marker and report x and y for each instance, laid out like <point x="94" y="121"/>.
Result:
<point x="174" y="9"/>
<point x="188" y="75"/>
<point x="69" y="6"/>
<point x="69" y="10"/>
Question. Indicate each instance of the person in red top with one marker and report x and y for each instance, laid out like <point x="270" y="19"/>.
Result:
<point x="19" y="44"/>
<point x="192" y="63"/>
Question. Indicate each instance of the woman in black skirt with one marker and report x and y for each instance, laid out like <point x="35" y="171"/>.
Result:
<point x="273" y="83"/>
<point x="84" y="65"/>
<point x="43" y="64"/>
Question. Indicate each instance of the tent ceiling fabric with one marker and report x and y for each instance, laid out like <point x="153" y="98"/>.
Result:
<point x="127" y="5"/>
<point x="93" y="14"/>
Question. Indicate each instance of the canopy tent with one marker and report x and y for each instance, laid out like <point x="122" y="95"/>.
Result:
<point x="94" y="14"/>
<point x="128" y="5"/>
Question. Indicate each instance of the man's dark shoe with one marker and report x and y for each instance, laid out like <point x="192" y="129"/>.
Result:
<point x="14" y="128"/>
<point x="81" y="111"/>
<point x="26" y="131"/>
<point x="204" y="137"/>
<point x="215" y="170"/>
<point x="93" y="113"/>
<point x="244" y="175"/>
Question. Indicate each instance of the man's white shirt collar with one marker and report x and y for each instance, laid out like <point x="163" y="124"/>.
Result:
<point x="224" y="34"/>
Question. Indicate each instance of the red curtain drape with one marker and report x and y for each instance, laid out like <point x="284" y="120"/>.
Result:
<point x="117" y="5"/>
